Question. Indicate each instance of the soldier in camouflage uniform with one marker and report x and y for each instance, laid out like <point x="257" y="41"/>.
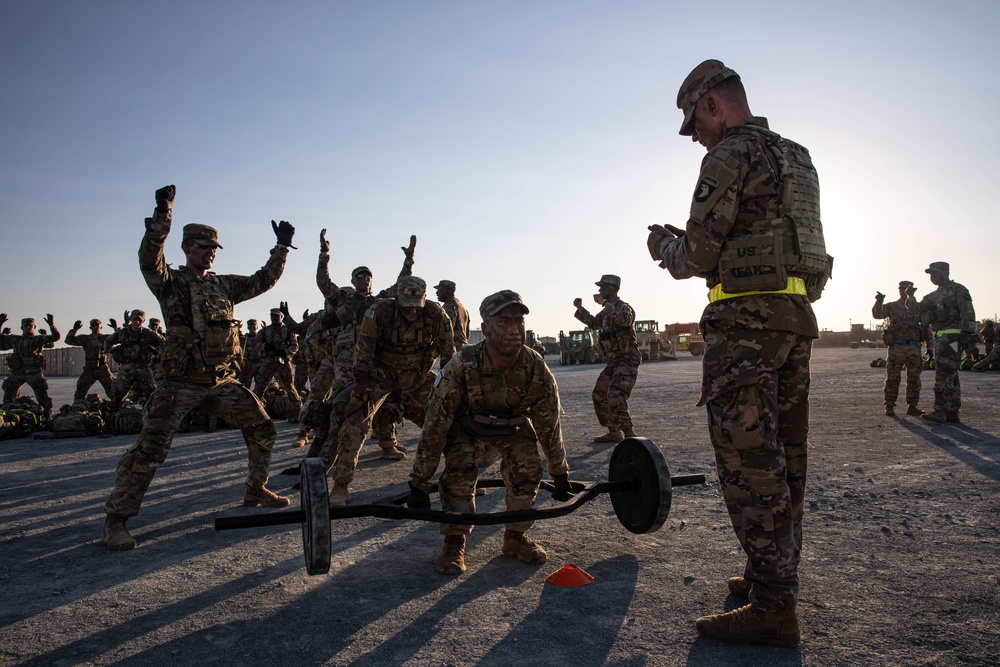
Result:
<point x="353" y="303"/>
<point x="26" y="363"/>
<point x="949" y="313"/>
<point x="277" y="344"/>
<point x="457" y="313"/>
<point x="136" y="350"/>
<point x="755" y="236"/>
<point x="322" y="341"/>
<point x="200" y="361"/>
<point x="251" y="354"/>
<point x="497" y="393"/>
<point x="615" y="325"/>
<point x="902" y="335"/>
<point x="95" y="359"/>
<point x="399" y="341"/>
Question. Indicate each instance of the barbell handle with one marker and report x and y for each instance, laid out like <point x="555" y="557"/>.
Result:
<point x="395" y="508"/>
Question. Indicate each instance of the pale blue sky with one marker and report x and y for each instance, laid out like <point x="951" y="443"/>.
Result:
<point x="527" y="144"/>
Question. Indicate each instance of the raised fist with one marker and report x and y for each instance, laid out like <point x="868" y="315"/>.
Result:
<point x="879" y="296"/>
<point x="165" y="197"/>
<point x="578" y="303"/>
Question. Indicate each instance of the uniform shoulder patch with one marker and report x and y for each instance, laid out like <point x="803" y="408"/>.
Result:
<point x="370" y="313"/>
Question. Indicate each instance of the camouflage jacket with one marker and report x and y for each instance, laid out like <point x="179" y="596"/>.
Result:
<point x="322" y="337"/>
<point x="737" y="186"/>
<point x="459" y="317"/>
<point x="26" y="351"/>
<point x="276" y="342"/>
<point x="615" y="325"/>
<point x="394" y="352"/>
<point x="949" y="307"/>
<point x="94" y="346"/>
<point x="202" y="339"/>
<point x="129" y="346"/>
<point x="451" y="405"/>
<point x="904" y="319"/>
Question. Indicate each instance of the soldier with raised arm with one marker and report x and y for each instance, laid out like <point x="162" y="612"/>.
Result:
<point x="95" y="359"/>
<point x="26" y="363"/>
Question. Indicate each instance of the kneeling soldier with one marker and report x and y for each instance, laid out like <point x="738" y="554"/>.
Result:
<point x="497" y="393"/>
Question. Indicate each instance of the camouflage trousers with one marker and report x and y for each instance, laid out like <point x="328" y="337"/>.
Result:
<point x="301" y="377"/>
<point x="947" y="389"/>
<point x="89" y="377"/>
<point x="34" y="379"/>
<point x="248" y="371"/>
<point x="898" y="357"/>
<point x="161" y="417"/>
<point x="280" y="370"/>
<point x="520" y="467"/>
<point x="322" y="382"/>
<point x="611" y="393"/>
<point x="133" y="381"/>
<point x="358" y="420"/>
<point x="756" y="389"/>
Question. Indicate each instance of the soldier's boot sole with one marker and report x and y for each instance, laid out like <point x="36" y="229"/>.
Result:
<point x="749" y="625"/>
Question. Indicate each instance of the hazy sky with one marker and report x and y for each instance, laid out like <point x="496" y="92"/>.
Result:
<point x="527" y="144"/>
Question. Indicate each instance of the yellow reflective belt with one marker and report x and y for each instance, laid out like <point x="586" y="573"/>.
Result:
<point x="947" y="332"/>
<point x="795" y="286"/>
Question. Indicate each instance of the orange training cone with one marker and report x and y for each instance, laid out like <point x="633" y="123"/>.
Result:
<point x="569" y="575"/>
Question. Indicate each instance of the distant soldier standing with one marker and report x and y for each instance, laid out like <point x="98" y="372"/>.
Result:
<point x="26" y="363"/>
<point x="902" y="335"/>
<point x="95" y="359"/>
<point x="615" y="325"/>
<point x="277" y="345"/>
<point x="251" y="354"/>
<point x="498" y="393"/>
<point x="949" y="313"/>
<point x="199" y="362"/>
<point x="754" y="234"/>
<point x="136" y="350"/>
<point x="399" y="341"/>
<point x="457" y="313"/>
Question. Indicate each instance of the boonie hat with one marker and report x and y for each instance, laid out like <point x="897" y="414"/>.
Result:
<point x="494" y="303"/>
<point x="360" y="269"/>
<point x="203" y="235"/>
<point x="445" y="284"/>
<point x="609" y="279"/>
<point x="698" y="82"/>
<point x="410" y="292"/>
<point x="938" y="266"/>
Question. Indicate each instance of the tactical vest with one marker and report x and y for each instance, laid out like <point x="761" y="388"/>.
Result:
<point x="478" y="421"/>
<point x="395" y="353"/>
<point x="209" y="337"/>
<point x="25" y="355"/>
<point x="788" y="242"/>
<point x="618" y="340"/>
<point x="350" y="316"/>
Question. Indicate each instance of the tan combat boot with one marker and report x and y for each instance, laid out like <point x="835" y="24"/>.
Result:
<point x="750" y="625"/>
<point x="890" y="411"/>
<point x="391" y="450"/>
<point x="938" y="417"/>
<point x="452" y="558"/>
<point x="613" y="435"/>
<point x="516" y="543"/>
<point x="115" y="535"/>
<point x="628" y="432"/>
<point x="302" y="440"/>
<point x="740" y="587"/>
<point x="913" y="411"/>
<point x="264" y="497"/>
<point x="339" y="494"/>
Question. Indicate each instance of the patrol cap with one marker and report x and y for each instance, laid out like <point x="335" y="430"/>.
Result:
<point x="249" y="322"/>
<point x="154" y="320"/>
<point x="494" y="303"/>
<point x="410" y="292"/>
<point x="701" y="79"/>
<point x="203" y="235"/>
<point x="25" y="321"/>
<point x="94" y="321"/>
<point x="938" y="266"/>
<point x="141" y="314"/>
<point x="445" y="284"/>
<point x="609" y="279"/>
<point x="276" y="311"/>
<point x="903" y="284"/>
<point x="361" y="269"/>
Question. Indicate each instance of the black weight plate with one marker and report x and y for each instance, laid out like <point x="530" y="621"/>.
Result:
<point x="643" y="508"/>
<point x="316" y="507"/>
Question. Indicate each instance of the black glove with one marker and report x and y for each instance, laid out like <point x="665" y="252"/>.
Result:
<point x="165" y="197"/>
<point x="284" y="231"/>
<point x="6" y="331"/>
<point x="77" y="325"/>
<point x="879" y="296"/>
<point x="418" y="499"/>
<point x="283" y="307"/>
<point x="52" y="324"/>
<point x="963" y="339"/>
<point x="563" y="490"/>
<point x="113" y="323"/>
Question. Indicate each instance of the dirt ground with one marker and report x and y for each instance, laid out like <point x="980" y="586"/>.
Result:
<point x="899" y="563"/>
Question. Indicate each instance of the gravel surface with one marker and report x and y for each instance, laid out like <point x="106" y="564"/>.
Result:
<point x="899" y="562"/>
